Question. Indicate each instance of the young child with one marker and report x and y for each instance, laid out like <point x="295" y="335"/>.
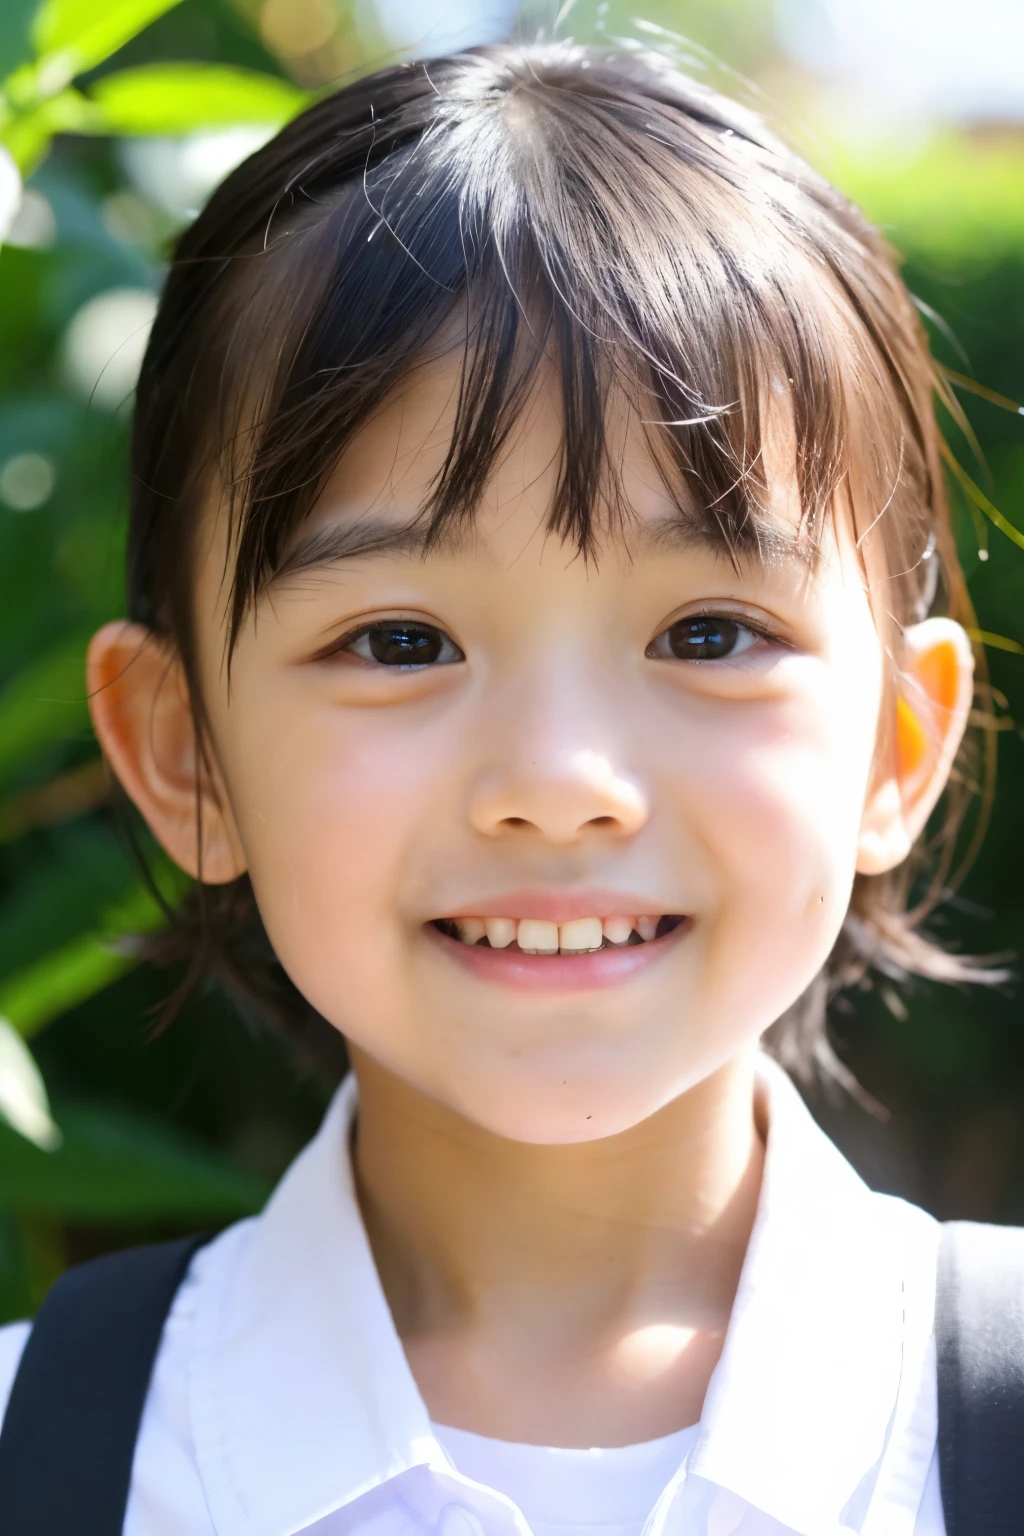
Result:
<point x="544" y="649"/>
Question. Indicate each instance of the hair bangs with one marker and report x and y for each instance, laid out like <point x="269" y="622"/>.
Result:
<point x="630" y="265"/>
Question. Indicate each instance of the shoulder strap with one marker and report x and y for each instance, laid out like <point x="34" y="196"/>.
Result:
<point x="979" y="1330"/>
<point x="68" y="1436"/>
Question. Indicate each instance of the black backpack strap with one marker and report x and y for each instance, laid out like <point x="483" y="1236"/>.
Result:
<point x="68" y="1436"/>
<point x="979" y="1331"/>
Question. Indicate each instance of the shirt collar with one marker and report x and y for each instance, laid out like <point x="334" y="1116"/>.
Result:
<point x="833" y="1308"/>
<point x="302" y="1398"/>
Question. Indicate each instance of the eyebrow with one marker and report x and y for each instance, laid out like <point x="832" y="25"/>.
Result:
<point x="374" y="536"/>
<point x="769" y="544"/>
<point x="319" y="548"/>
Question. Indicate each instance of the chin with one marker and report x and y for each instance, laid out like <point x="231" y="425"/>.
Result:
<point x="565" y="1111"/>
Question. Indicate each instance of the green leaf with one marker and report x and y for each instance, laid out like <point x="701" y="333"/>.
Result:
<point x="69" y="976"/>
<point x="26" y="135"/>
<point x="996" y="642"/>
<point x="954" y="196"/>
<point x="180" y="98"/>
<point x="73" y="35"/>
<point x="115" y="1165"/>
<point x="40" y="993"/>
<point x="976" y="496"/>
<point x="15" y="34"/>
<point x="62" y="891"/>
<point x="23" y="1102"/>
<point x="16" y="1298"/>
<point x="45" y="704"/>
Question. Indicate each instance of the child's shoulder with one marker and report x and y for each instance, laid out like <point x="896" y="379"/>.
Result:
<point x="166" y="1477"/>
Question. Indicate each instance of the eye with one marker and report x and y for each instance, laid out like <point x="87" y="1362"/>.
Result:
<point x="704" y="637"/>
<point x="404" y="644"/>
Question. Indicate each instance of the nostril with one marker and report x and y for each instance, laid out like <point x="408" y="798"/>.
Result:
<point x="601" y="821"/>
<point x="516" y="821"/>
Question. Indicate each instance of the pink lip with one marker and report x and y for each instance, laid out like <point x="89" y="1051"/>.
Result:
<point x="562" y="906"/>
<point x="557" y="973"/>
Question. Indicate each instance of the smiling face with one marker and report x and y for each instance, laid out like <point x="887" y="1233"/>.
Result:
<point x="417" y="748"/>
<point x="423" y="749"/>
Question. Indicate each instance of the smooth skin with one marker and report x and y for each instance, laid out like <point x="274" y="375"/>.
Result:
<point x="559" y="1186"/>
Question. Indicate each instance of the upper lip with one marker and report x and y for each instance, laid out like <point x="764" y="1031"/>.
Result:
<point x="555" y="906"/>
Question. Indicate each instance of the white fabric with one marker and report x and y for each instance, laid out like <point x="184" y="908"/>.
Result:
<point x="599" y="1492"/>
<point x="282" y="1401"/>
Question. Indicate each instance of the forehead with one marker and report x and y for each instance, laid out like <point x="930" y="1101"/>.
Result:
<point x="376" y="501"/>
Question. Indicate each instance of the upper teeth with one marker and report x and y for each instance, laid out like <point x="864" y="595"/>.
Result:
<point x="537" y="937"/>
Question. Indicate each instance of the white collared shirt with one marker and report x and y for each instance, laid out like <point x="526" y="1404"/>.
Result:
<point x="596" y="1492"/>
<point x="282" y="1401"/>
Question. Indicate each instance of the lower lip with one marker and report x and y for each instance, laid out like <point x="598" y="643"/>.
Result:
<point x="558" y="973"/>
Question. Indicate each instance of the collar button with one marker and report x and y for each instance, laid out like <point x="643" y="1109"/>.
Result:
<point x="457" y="1520"/>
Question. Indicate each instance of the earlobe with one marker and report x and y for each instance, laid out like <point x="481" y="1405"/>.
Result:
<point x="139" y="701"/>
<point x="936" y="687"/>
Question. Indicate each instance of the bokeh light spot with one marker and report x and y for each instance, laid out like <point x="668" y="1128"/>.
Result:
<point x="294" y="27"/>
<point x="105" y="343"/>
<point x="26" y="482"/>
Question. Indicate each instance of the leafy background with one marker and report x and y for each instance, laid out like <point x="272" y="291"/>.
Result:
<point x="121" y="115"/>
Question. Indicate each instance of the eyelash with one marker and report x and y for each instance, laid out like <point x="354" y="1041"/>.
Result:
<point x="716" y="626"/>
<point x="409" y="627"/>
<point x="723" y="622"/>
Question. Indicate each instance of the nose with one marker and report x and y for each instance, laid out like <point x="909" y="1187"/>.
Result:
<point x="561" y="795"/>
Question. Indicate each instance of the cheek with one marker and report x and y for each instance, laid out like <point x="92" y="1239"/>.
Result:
<point x="779" y="789"/>
<point x="334" y="808"/>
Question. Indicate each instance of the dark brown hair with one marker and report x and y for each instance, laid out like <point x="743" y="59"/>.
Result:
<point x="600" y="209"/>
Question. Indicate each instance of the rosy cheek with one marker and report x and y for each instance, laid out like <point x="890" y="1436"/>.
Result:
<point x="782" y="791"/>
<point x="331" y="820"/>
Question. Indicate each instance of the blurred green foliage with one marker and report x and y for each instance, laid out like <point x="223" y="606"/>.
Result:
<point x="147" y="1135"/>
<point x="122" y="1154"/>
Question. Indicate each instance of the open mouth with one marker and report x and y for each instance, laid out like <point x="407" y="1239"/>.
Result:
<point x="579" y="936"/>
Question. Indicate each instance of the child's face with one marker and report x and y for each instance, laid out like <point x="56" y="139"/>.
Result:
<point x="554" y="758"/>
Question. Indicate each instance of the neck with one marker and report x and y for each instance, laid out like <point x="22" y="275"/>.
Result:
<point x="594" y="1280"/>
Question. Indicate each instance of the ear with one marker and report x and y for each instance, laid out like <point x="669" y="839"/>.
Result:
<point x="936" y="687"/>
<point x="139" y="699"/>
